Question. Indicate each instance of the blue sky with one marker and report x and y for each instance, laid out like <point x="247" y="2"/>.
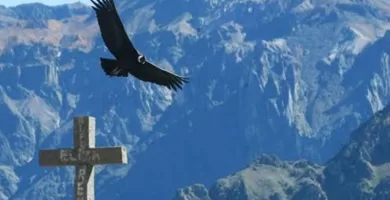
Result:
<point x="47" y="2"/>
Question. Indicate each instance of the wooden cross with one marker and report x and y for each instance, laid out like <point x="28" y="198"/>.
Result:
<point x="84" y="156"/>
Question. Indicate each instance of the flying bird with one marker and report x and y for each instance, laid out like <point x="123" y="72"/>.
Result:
<point x="128" y="59"/>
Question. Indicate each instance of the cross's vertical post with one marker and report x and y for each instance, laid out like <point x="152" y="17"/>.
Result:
<point x="84" y="139"/>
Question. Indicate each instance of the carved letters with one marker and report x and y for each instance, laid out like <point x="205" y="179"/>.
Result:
<point x="81" y="182"/>
<point x="81" y="156"/>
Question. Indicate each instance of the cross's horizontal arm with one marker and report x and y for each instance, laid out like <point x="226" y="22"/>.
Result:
<point x="92" y="156"/>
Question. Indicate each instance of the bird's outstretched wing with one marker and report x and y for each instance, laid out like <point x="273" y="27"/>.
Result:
<point x="111" y="28"/>
<point x="151" y="73"/>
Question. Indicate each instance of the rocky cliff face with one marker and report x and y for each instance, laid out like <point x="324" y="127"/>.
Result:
<point x="266" y="178"/>
<point x="289" y="78"/>
<point x="359" y="171"/>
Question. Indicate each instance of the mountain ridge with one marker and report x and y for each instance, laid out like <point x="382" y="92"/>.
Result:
<point x="358" y="171"/>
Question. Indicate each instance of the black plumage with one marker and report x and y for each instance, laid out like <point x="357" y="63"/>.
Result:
<point x="128" y="59"/>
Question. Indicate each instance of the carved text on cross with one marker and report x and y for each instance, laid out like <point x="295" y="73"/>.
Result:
<point x="83" y="156"/>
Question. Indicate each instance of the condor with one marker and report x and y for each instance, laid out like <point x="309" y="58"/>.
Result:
<point x="128" y="59"/>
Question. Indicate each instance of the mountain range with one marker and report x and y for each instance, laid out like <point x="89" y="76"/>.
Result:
<point x="288" y="78"/>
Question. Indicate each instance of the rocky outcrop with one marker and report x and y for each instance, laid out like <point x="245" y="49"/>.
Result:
<point x="360" y="171"/>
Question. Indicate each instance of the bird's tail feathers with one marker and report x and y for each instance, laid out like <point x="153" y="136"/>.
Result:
<point x="111" y="67"/>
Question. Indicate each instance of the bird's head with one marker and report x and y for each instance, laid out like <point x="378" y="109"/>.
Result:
<point x="141" y="59"/>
